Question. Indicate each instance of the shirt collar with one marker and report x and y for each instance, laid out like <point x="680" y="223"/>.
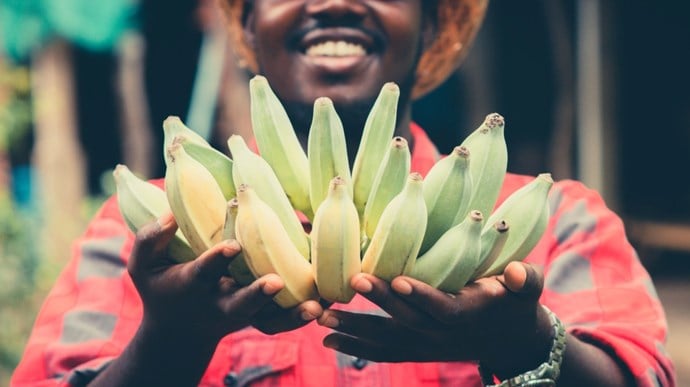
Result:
<point x="424" y="153"/>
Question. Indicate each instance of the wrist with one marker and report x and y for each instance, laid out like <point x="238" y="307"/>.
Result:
<point x="158" y="357"/>
<point x="164" y="334"/>
<point x="531" y="372"/>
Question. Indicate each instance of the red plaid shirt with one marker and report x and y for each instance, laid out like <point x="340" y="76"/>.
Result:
<point x="593" y="281"/>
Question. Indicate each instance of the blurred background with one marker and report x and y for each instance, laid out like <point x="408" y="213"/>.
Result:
<point x="592" y="90"/>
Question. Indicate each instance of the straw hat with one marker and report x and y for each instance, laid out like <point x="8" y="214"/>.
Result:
<point x="458" y="22"/>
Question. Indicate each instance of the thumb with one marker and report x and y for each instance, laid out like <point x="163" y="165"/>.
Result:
<point x="523" y="279"/>
<point x="151" y="241"/>
<point x="211" y="265"/>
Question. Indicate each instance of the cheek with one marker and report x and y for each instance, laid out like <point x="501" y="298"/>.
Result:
<point x="271" y="28"/>
<point x="403" y="27"/>
<point x="404" y="50"/>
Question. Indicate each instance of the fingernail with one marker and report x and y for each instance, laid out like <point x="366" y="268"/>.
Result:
<point x="402" y="287"/>
<point x="329" y="321"/>
<point x="165" y="220"/>
<point x="362" y="285"/>
<point x="231" y="248"/>
<point x="270" y="289"/>
<point x="306" y="316"/>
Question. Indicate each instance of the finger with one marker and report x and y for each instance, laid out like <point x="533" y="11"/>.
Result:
<point x="308" y="311"/>
<point x="379" y="292"/>
<point x="273" y="319"/>
<point x="362" y="349"/>
<point x="151" y="240"/>
<point x="210" y="266"/>
<point x="523" y="279"/>
<point x="441" y="306"/>
<point x="368" y="327"/>
<point x="248" y="300"/>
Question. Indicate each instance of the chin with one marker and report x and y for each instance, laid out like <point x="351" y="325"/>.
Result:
<point x="348" y="92"/>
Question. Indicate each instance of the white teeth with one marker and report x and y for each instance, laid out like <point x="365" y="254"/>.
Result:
<point x="336" y="48"/>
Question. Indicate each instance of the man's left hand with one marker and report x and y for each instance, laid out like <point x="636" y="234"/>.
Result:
<point x="492" y="319"/>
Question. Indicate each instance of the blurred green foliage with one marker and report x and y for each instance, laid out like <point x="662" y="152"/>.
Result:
<point x="19" y="258"/>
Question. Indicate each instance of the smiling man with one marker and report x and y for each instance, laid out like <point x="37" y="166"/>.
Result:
<point x="347" y="49"/>
<point x="581" y="310"/>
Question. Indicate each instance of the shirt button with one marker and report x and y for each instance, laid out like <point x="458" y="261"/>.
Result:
<point x="359" y="363"/>
<point x="230" y="379"/>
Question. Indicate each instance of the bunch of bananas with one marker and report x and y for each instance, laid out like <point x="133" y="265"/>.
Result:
<point x="377" y="217"/>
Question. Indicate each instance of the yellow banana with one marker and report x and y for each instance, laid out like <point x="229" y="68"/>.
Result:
<point x="395" y="244"/>
<point x="238" y="268"/>
<point x="268" y="249"/>
<point x="447" y="193"/>
<point x="376" y="135"/>
<point x="492" y="239"/>
<point x="335" y="244"/>
<point x="195" y="199"/>
<point x="215" y="161"/>
<point x="389" y="181"/>
<point x="489" y="152"/>
<point x="326" y="152"/>
<point x="451" y="261"/>
<point x="251" y="169"/>
<point x="219" y="164"/>
<point x="527" y="212"/>
<point x="142" y="202"/>
<point x="278" y="143"/>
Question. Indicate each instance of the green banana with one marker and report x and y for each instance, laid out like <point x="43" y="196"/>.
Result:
<point x="251" y="169"/>
<point x="489" y="152"/>
<point x="451" y="261"/>
<point x="268" y="249"/>
<point x="527" y="212"/>
<point x="142" y="202"/>
<point x="395" y="244"/>
<point x="173" y="127"/>
<point x="447" y="192"/>
<point x="492" y="239"/>
<point x="195" y="199"/>
<point x="326" y="152"/>
<point x="376" y="135"/>
<point x="335" y="244"/>
<point x="238" y="268"/>
<point x="278" y="143"/>
<point x="389" y="181"/>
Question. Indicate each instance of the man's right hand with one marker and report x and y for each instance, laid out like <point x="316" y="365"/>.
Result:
<point x="198" y="297"/>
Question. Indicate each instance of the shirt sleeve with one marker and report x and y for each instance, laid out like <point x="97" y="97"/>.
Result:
<point x="91" y="312"/>
<point x="596" y="284"/>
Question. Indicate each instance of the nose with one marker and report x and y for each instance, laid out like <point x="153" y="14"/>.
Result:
<point x="336" y="9"/>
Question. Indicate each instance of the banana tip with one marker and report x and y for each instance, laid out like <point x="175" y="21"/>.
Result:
<point x="494" y="120"/>
<point x="461" y="151"/>
<point x="172" y="118"/>
<point x="391" y="87"/>
<point x="546" y="176"/>
<point x="323" y="101"/>
<point x="415" y="176"/>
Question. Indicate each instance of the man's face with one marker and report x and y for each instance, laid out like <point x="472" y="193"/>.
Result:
<point x="343" y="49"/>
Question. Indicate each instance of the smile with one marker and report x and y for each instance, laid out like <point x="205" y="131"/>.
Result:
<point x="336" y="48"/>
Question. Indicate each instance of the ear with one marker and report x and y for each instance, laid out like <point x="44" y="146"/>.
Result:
<point x="248" y="24"/>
